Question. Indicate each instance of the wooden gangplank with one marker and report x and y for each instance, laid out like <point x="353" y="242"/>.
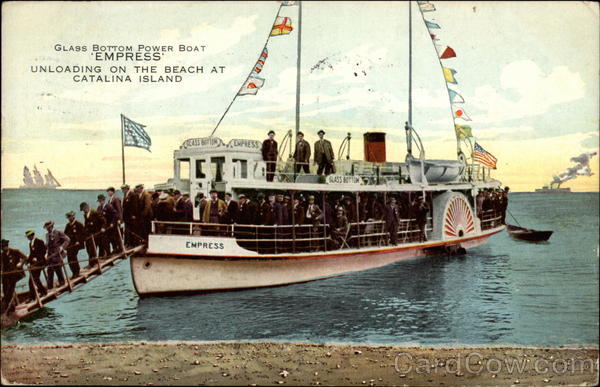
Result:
<point x="27" y="306"/>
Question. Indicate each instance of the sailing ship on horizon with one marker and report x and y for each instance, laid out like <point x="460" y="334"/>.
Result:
<point x="37" y="181"/>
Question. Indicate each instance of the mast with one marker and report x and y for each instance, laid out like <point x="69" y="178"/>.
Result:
<point x="408" y="125"/>
<point x="410" y="63"/>
<point x="298" y="62"/>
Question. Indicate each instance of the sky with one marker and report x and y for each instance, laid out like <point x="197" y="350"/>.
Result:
<point x="528" y="72"/>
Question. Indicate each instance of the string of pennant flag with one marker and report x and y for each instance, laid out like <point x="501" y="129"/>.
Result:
<point x="281" y="26"/>
<point x="456" y="100"/>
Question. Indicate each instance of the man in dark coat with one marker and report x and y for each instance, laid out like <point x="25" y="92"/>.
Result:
<point x="36" y="262"/>
<point x="93" y="223"/>
<point x="265" y="213"/>
<point x="231" y="215"/>
<point x="504" y="203"/>
<point x="247" y="210"/>
<point x="421" y="209"/>
<point x="178" y="210"/>
<point x="392" y="220"/>
<point x="144" y="213"/>
<point x="298" y="210"/>
<point x="188" y="208"/>
<point x="269" y="153"/>
<point x="56" y="245"/>
<point x="12" y="263"/>
<point x="114" y="201"/>
<point x="75" y="230"/>
<point x="130" y="204"/>
<point x="107" y="238"/>
<point x="339" y="228"/>
<point x="324" y="155"/>
<point x="301" y="154"/>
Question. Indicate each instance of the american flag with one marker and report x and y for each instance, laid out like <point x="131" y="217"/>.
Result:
<point x="482" y="156"/>
<point x="134" y="134"/>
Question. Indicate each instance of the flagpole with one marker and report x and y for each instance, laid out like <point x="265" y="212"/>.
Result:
<point x="123" y="147"/>
<point x="240" y="89"/>
<point x="298" y="68"/>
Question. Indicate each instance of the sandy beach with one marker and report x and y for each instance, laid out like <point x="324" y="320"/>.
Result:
<point x="294" y="364"/>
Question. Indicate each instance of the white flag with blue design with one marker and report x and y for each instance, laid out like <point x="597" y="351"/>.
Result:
<point x="134" y="134"/>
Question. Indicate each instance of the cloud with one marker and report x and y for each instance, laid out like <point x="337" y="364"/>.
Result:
<point x="500" y="132"/>
<point x="526" y="91"/>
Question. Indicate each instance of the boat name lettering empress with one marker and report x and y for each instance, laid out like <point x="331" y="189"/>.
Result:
<point x="204" y="245"/>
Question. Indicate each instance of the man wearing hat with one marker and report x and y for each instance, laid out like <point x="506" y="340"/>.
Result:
<point x="200" y="201"/>
<point x="76" y="232"/>
<point x="392" y="220"/>
<point x="232" y="213"/>
<point x="178" y="206"/>
<point x="269" y="153"/>
<point x="339" y="228"/>
<point x="93" y="223"/>
<point x="144" y="213"/>
<point x="12" y="263"/>
<point x="130" y="204"/>
<point x="56" y="245"/>
<point x="107" y="238"/>
<point x="324" y="155"/>
<point x="188" y="208"/>
<point x="301" y="154"/>
<point x="421" y="208"/>
<point x="36" y="262"/>
<point x="214" y="209"/>
<point x="247" y="210"/>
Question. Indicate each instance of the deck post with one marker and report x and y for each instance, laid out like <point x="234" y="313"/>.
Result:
<point x="292" y="194"/>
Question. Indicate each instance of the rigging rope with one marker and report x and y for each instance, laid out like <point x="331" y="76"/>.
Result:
<point x="250" y="74"/>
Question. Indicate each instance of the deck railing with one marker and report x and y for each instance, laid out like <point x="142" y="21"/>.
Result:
<point x="490" y="219"/>
<point x="268" y="239"/>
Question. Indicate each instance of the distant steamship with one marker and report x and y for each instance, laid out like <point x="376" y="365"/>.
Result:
<point x="37" y="181"/>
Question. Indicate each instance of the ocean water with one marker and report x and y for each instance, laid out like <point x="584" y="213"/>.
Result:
<point x="504" y="292"/>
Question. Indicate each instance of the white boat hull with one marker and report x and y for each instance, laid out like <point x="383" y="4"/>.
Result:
<point x="158" y="272"/>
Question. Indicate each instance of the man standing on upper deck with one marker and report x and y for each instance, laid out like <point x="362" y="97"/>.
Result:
<point x="269" y="153"/>
<point x="56" y="245"/>
<point x="302" y="154"/>
<point x="324" y="155"/>
<point x="11" y="263"/>
<point x="76" y="233"/>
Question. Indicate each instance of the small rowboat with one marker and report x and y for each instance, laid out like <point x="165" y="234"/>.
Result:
<point x="527" y="234"/>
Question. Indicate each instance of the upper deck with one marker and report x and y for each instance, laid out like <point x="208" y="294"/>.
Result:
<point x="203" y="164"/>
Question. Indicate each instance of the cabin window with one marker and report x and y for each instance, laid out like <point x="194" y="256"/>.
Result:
<point x="184" y="169"/>
<point x="199" y="173"/>
<point x="243" y="172"/>
<point x="216" y="167"/>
